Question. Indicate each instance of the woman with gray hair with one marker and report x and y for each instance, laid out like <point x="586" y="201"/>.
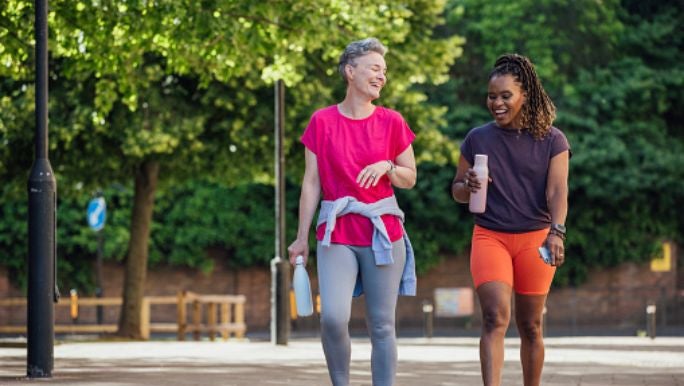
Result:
<point x="356" y="152"/>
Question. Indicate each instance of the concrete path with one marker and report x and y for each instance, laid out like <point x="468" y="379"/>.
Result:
<point x="585" y="361"/>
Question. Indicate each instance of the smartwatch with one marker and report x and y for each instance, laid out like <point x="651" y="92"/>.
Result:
<point x="558" y="228"/>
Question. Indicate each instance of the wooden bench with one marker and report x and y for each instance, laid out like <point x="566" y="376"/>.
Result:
<point x="232" y="315"/>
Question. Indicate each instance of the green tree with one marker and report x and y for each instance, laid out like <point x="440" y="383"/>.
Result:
<point x="167" y="91"/>
<point x="560" y="36"/>
<point x="613" y="70"/>
<point x="625" y="120"/>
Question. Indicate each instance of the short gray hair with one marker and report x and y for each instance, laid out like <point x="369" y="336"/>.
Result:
<point x="358" y="49"/>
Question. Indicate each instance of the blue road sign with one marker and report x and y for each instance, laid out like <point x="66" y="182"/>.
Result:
<point x="97" y="213"/>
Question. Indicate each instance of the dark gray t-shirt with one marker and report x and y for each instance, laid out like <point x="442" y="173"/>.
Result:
<point x="518" y="166"/>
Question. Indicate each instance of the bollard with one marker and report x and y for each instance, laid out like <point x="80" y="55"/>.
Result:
<point x="280" y="309"/>
<point x="651" y="320"/>
<point x="99" y="310"/>
<point x="427" y="318"/>
<point x="73" y="305"/>
<point x="293" y="305"/>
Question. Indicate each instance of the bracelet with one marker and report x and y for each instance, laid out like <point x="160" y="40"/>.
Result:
<point x="557" y="233"/>
<point x="392" y="167"/>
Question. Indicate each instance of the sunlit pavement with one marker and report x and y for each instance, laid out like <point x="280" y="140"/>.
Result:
<point x="586" y="361"/>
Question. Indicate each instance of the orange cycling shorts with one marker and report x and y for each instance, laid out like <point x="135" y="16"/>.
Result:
<point x="511" y="258"/>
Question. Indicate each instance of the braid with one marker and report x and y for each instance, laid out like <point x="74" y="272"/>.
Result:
<point x="538" y="112"/>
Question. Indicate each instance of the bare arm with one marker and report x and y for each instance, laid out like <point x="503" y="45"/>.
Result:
<point x="557" y="199"/>
<point x="459" y="189"/>
<point x="404" y="175"/>
<point x="308" y="202"/>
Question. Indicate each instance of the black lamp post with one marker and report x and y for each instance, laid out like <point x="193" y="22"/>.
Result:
<point x="280" y="265"/>
<point x="42" y="220"/>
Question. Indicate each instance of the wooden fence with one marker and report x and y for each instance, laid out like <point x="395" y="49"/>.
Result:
<point x="232" y="315"/>
<point x="231" y="319"/>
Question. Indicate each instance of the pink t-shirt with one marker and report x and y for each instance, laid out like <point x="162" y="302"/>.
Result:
<point x="343" y="146"/>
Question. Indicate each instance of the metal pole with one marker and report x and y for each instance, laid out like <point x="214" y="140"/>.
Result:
<point x="573" y="302"/>
<point x="280" y="266"/>
<point x="651" y="320"/>
<point x="428" y="310"/>
<point x="42" y="220"/>
<point x="280" y="168"/>
<point x="663" y="306"/>
<point x="98" y="273"/>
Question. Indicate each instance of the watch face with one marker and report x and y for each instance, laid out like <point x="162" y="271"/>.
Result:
<point x="559" y="227"/>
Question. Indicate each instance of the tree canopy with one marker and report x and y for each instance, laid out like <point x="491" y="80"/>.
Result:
<point x="159" y="92"/>
<point x="187" y="85"/>
<point x="612" y="69"/>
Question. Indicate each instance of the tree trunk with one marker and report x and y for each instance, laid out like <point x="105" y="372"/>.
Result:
<point x="136" y="261"/>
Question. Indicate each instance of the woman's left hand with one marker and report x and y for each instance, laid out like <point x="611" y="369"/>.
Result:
<point x="555" y="245"/>
<point x="371" y="174"/>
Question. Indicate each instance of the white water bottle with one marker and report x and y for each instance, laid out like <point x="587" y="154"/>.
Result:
<point x="302" y="288"/>
<point x="478" y="200"/>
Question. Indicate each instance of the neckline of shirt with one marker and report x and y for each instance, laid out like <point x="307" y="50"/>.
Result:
<point x="371" y="115"/>
<point x="516" y="131"/>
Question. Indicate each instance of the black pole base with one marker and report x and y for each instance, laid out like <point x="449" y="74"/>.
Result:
<point x="42" y="294"/>
<point x="280" y="301"/>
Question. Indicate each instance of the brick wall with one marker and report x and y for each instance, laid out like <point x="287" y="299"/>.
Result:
<point x="10" y="315"/>
<point x="611" y="297"/>
<point x="617" y="297"/>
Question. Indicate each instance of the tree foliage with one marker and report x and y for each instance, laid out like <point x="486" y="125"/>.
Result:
<point x="177" y="90"/>
<point x="612" y="69"/>
<point x="189" y="220"/>
<point x="189" y="85"/>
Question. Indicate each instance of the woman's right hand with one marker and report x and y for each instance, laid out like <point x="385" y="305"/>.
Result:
<point x="472" y="184"/>
<point x="298" y="247"/>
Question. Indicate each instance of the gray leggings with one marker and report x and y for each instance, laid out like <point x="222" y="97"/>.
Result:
<point x="338" y="267"/>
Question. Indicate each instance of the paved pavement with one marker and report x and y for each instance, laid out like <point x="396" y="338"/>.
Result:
<point x="585" y="361"/>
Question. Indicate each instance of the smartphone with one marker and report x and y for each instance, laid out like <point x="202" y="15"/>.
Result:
<point x="545" y="254"/>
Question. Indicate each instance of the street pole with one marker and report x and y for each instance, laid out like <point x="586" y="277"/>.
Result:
<point x="96" y="215"/>
<point x="280" y="265"/>
<point x="98" y="272"/>
<point x="42" y="220"/>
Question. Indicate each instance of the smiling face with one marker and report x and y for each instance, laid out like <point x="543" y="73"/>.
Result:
<point x="367" y="75"/>
<point x="505" y="99"/>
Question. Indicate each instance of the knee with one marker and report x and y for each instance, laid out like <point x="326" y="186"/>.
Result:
<point x="382" y="330"/>
<point x="495" y="319"/>
<point x="530" y="330"/>
<point x="334" y="325"/>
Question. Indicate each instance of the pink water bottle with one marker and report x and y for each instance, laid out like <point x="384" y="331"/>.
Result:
<point x="478" y="200"/>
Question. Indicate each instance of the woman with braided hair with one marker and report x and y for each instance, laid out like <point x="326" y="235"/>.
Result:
<point x="526" y="208"/>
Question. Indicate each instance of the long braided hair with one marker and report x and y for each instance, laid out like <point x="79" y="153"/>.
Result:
<point x="538" y="112"/>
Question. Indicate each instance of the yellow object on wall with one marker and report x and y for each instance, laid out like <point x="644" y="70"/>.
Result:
<point x="663" y="263"/>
